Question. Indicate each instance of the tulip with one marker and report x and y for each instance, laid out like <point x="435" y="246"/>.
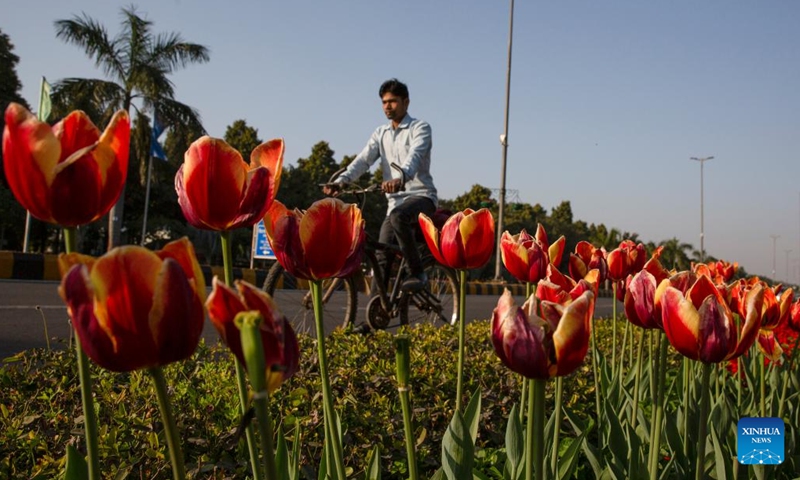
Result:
<point x="539" y="348"/>
<point x="586" y="258"/>
<point x="218" y="191"/>
<point x="466" y="240"/>
<point x="69" y="174"/>
<point x="626" y="259"/>
<point x="641" y="307"/>
<point x="542" y="347"/>
<point x="524" y="257"/>
<point x="774" y="313"/>
<point x="700" y="325"/>
<point x="134" y="309"/>
<point x="281" y="351"/>
<point x="325" y="241"/>
<point x="794" y="316"/>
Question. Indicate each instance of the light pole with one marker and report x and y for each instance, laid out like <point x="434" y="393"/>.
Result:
<point x="504" y="143"/>
<point x="774" y="239"/>
<point x="702" y="160"/>
<point x="787" y="263"/>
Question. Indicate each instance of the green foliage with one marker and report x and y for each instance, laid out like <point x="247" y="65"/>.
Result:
<point x="243" y="138"/>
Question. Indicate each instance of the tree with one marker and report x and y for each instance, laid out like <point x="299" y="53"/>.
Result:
<point x="12" y="215"/>
<point x="137" y="63"/>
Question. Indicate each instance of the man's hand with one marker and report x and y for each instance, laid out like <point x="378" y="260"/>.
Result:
<point x="392" y="186"/>
<point x="331" y="189"/>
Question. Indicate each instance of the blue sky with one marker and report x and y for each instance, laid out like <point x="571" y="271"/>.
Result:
<point x="608" y="99"/>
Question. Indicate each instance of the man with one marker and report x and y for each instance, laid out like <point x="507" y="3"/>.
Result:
<point x="406" y="143"/>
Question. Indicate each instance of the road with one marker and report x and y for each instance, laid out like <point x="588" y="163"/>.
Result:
<point x="29" y="308"/>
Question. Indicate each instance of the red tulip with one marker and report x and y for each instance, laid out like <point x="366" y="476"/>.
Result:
<point x="466" y="240"/>
<point x="774" y="313"/>
<point x="325" y="241"/>
<point x="281" y="350"/>
<point x="794" y="316"/>
<point x="700" y="325"/>
<point x="586" y="258"/>
<point x="552" y="345"/>
<point x="218" y="191"/>
<point x="627" y="259"/>
<point x="642" y="296"/>
<point x="524" y="256"/>
<point x="133" y="308"/>
<point x="69" y="174"/>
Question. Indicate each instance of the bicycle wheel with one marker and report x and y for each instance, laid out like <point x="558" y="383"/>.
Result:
<point x="439" y="301"/>
<point x="293" y="296"/>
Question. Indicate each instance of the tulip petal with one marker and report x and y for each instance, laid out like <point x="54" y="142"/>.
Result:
<point x="477" y="238"/>
<point x="518" y="339"/>
<point x="431" y="234"/>
<point x="182" y="251"/>
<point x="452" y="242"/>
<point x="255" y="201"/>
<point x="752" y="305"/>
<point x="270" y="155"/>
<point x="571" y="338"/>
<point x="330" y="232"/>
<point x="186" y="206"/>
<point x="640" y="306"/>
<point x="769" y="345"/>
<point x="176" y="318"/>
<point x="214" y="177"/>
<point x="223" y="305"/>
<point x="556" y="250"/>
<point x="718" y="340"/>
<point x="681" y="323"/>
<point x="30" y="154"/>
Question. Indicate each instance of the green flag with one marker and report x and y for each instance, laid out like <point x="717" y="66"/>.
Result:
<point x="44" y="101"/>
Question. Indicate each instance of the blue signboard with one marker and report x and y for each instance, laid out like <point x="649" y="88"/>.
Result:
<point x="261" y="248"/>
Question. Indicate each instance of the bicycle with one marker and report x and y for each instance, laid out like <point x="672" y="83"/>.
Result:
<point x="437" y="301"/>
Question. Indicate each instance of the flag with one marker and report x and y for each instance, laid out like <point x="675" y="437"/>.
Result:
<point x="44" y="101"/>
<point x="156" y="150"/>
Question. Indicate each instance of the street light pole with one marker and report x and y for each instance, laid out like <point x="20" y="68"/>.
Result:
<point x="702" y="160"/>
<point x="504" y="143"/>
<point x="774" y="239"/>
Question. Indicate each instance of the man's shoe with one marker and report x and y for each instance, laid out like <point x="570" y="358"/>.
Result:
<point x="415" y="283"/>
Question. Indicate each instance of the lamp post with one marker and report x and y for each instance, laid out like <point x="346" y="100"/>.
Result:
<point x="702" y="160"/>
<point x="774" y="239"/>
<point x="788" y="251"/>
<point x="504" y="143"/>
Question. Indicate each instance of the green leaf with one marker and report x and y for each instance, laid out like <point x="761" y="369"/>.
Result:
<point x="569" y="460"/>
<point x="458" y="451"/>
<point x="472" y="415"/>
<point x="282" y="456"/>
<point x="76" y="467"/>
<point x="438" y="475"/>
<point x="515" y="444"/>
<point x="722" y="464"/>
<point x="374" y="464"/>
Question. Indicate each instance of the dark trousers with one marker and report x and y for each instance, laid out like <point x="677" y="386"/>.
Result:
<point x="399" y="228"/>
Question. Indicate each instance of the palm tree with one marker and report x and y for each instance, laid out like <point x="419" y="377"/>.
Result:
<point x="137" y="64"/>
<point x="675" y="254"/>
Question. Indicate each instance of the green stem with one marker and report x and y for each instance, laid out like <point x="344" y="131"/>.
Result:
<point x="622" y="355"/>
<point x="687" y="377"/>
<point x="655" y="428"/>
<point x="529" y="289"/>
<point x="253" y="349"/>
<point x="763" y="387"/>
<point x="613" y="329"/>
<point x="170" y="429"/>
<point x="557" y="429"/>
<point x="786" y="374"/>
<point x="462" y="333"/>
<point x="327" y="398"/>
<point x="651" y="361"/>
<point x="637" y="381"/>
<point x="241" y="383"/>
<point x="538" y="427"/>
<point x="85" y="377"/>
<point x="596" y="375"/>
<point x="702" y="428"/>
<point x="403" y="364"/>
<point x="529" y="432"/>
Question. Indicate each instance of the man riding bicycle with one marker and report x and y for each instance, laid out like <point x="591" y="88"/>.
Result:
<point x="406" y="143"/>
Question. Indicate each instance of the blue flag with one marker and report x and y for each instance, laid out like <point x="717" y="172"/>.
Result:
<point x="156" y="150"/>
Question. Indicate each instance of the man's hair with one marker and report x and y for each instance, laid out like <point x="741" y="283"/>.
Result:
<point x="395" y="87"/>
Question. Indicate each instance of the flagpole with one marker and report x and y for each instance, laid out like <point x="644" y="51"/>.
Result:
<point x="146" y="199"/>
<point x="42" y="116"/>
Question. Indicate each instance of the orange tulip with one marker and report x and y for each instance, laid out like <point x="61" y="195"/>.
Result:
<point x="69" y="174"/>
<point x="133" y="308"/>
<point x="794" y="316"/>
<point x="700" y="325"/>
<point x="552" y="345"/>
<point x="281" y="350"/>
<point x="325" y="241"/>
<point x="524" y="257"/>
<point x="466" y="240"/>
<point x="218" y="191"/>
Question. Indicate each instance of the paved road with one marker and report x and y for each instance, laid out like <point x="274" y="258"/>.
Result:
<point x="28" y="307"/>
